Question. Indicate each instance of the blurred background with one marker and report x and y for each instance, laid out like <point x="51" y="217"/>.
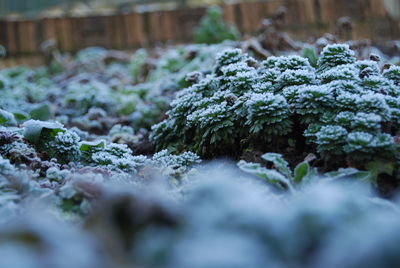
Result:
<point x="132" y="24"/>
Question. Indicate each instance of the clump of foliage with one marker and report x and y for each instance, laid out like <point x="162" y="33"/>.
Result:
<point x="343" y="109"/>
<point x="302" y="176"/>
<point x="213" y="29"/>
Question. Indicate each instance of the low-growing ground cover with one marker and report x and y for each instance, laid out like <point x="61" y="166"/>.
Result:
<point x="106" y="164"/>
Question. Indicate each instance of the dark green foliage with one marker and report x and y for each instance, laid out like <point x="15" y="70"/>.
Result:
<point x="213" y="29"/>
<point x="343" y="108"/>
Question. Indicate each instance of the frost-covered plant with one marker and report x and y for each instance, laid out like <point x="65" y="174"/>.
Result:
<point x="55" y="174"/>
<point x="267" y="113"/>
<point x="346" y="109"/>
<point x="282" y="177"/>
<point x="303" y="176"/>
<point x="213" y="29"/>
<point x="335" y="55"/>
<point x="65" y="146"/>
<point x="174" y="165"/>
<point x="112" y="156"/>
<point x="122" y="134"/>
<point x="223" y="108"/>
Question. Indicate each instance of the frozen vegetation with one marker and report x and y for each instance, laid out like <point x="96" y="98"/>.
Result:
<point x="118" y="164"/>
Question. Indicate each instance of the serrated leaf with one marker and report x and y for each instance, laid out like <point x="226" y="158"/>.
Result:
<point x="280" y="164"/>
<point x="271" y="176"/>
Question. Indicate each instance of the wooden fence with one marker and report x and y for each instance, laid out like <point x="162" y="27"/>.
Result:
<point x="123" y="31"/>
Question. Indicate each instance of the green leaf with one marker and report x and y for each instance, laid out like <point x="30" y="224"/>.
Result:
<point x="280" y="164"/>
<point x="36" y="130"/>
<point x="292" y="142"/>
<point x="42" y="112"/>
<point x="311" y="176"/>
<point x="349" y="173"/>
<point x="380" y="167"/>
<point x="312" y="56"/>
<point x="301" y="171"/>
<point x="87" y="146"/>
<point x="21" y="116"/>
<point x="271" y="176"/>
<point x="7" y="118"/>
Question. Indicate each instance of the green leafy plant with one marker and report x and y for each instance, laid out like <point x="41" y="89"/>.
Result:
<point x="213" y="29"/>
<point x="281" y="176"/>
<point x="345" y="110"/>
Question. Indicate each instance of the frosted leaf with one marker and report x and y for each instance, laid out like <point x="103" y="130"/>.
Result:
<point x="367" y="121"/>
<point x="165" y="159"/>
<point x="374" y="103"/>
<point x="335" y="55"/>
<point x="267" y="112"/>
<point x="340" y="86"/>
<point x="296" y="77"/>
<point x="393" y="74"/>
<point x="55" y="174"/>
<point x="235" y="68"/>
<point x="229" y="56"/>
<point x="313" y="100"/>
<point x="342" y="72"/>
<point x="268" y="75"/>
<point x="358" y="141"/>
<point x="371" y="66"/>
<point x="377" y="84"/>
<point x="284" y="63"/>
<point x="348" y="101"/>
<point x="6" y="168"/>
<point x="330" y="139"/>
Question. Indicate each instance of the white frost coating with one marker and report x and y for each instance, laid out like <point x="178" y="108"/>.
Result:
<point x="296" y="77"/>
<point x="344" y="72"/>
<point x="287" y="63"/>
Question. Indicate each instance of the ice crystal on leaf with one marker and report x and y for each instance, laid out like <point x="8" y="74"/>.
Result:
<point x="268" y="112"/>
<point x="335" y="55"/>
<point x="393" y="74"/>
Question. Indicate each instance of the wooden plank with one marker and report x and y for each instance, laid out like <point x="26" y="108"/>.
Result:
<point x="272" y="6"/>
<point x="49" y="29"/>
<point x="294" y="11"/>
<point x="229" y="13"/>
<point x="245" y="15"/>
<point x="94" y="31"/>
<point x="110" y="32"/>
<point x="189" y="20"/>
<point x="119" y="32"/>
<point x="134" y="29"/>
<point x="114" y="31"/>
<point x="30" y="42"/>
<point x="308" y="12"/>
<point x="22" y="37"/>
<point x="12" y="38"/>
<point x="65" y="34"/>
<point x="166" y="25"/>
<point x="331" y="10"/>
<point x="367" y="9"/>
<point x="154" y="29"/>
